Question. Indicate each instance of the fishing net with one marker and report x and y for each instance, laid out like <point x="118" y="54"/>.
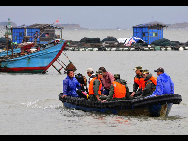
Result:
<point x="163" y="42"/>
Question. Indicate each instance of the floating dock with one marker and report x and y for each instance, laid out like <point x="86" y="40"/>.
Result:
<point x="77" y="46"/>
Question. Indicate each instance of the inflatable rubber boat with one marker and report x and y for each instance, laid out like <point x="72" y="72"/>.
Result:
<point x="149" y="106"/>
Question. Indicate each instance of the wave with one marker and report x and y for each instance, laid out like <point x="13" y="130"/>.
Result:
<point x="42" y="104"/>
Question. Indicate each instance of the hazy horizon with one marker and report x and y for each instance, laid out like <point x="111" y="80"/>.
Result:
<point x="95" y="17"/>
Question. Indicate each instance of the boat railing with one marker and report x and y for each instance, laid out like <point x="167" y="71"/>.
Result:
<point x="36" y="53"/>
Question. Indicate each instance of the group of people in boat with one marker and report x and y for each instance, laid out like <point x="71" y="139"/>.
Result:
<point x="103" y="86"/>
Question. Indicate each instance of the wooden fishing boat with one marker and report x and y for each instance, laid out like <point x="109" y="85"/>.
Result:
<point x="36" y="62"/>
<point x="21" y="47"/>
<point x="150" y="106"/>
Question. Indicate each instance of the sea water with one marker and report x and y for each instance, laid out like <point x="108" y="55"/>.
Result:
<point x="29" y="103"/>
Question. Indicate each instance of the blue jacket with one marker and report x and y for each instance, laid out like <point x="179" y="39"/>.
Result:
<point x="164" y="85"/>
<point x="69" y="86"/>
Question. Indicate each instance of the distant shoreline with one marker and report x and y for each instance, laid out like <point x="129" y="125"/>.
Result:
<point x="183" y="25"/>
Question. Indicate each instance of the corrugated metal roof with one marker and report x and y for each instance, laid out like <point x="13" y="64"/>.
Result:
<point x="44" y="26"/>
<point x="151" y="24"/>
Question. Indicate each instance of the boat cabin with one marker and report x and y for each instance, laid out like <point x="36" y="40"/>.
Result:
<point x="149" y="32"/>
<point x="46" y="33"/>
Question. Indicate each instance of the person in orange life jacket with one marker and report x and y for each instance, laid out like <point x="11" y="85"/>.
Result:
<point x="90" y="73"/>
<point x="107" y="80"/>
<point x="138" y="81"/>
<point x="149" y="85"/>
<point x="95" y="87"/>
<point x="118" y="90"/>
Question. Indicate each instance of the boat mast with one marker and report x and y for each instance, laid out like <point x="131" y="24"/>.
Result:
<point x="7" y="33"/>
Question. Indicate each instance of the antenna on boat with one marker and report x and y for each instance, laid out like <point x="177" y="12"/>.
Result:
<point x="67" y="57"/>
<point x="70" y="65"/>
<point x="67" y="67"/>
<point x="49" y="24"/>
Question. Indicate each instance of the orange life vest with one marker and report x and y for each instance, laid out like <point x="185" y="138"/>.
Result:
<point x="119" y="90"/>
<point x="153" y="80"/>
<point x="139" y="81"/>
<point x="91" y="91"/>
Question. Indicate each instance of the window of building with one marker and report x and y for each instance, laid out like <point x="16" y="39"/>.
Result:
<point x="154" y="34"/>
<point x="45" y="35"/>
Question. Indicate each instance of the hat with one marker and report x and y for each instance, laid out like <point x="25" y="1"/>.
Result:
<point x="159" y="69"/>
<point x="138" y="68"/>
<point x="103" y="69"/>
<point x="117" y="76"/>
<point x="89" y="70"/>
<point x="99" y="72"/>
<point x="145" y="71"/>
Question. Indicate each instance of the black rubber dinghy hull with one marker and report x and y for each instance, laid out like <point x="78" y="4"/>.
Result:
<point x="151" y="106"/>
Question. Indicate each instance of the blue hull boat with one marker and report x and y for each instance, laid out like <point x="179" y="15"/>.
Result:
<point x="4" y="53"/>
<point x="24" y="46"/>
<point x="152" y="106"/>
<point x="37" y="62"/>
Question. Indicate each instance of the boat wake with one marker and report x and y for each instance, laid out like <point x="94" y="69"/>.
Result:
<point x="41" y="104"/>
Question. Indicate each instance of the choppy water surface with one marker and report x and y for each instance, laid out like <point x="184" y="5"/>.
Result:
<point x="29" y="102"/>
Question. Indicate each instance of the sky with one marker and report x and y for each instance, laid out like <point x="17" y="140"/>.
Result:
<point x="93" y="17"/>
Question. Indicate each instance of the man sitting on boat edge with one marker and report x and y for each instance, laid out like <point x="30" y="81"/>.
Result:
<point x="118" y="90"/>
<point x="138" y="81"/>
<point x="90" y="73"/>
<point x="149" y="85"/>
<point x="107" y="80"/>
<point x="95" y="87"/>
<point x="164" y="83"/>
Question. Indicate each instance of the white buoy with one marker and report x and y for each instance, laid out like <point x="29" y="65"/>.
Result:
<point x="90" y="49"/>
<point x="146" y="48"/>
<point x="132" y="49"/>
<point x="70" y="49"/>
<point x="126" y="49"/>
<point x="168" y="48"/>
<point x="113" y="49"/>
<point x="181" y="49"/>
<point x="95" y="49"/>
<point x="76" y="49"/>
<point x="108" y="49"/>
<point x="162" y="48"/>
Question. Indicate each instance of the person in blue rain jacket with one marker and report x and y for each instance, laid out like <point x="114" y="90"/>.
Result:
<point x="70" y="84"/>
<point x="164" y="83"/>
